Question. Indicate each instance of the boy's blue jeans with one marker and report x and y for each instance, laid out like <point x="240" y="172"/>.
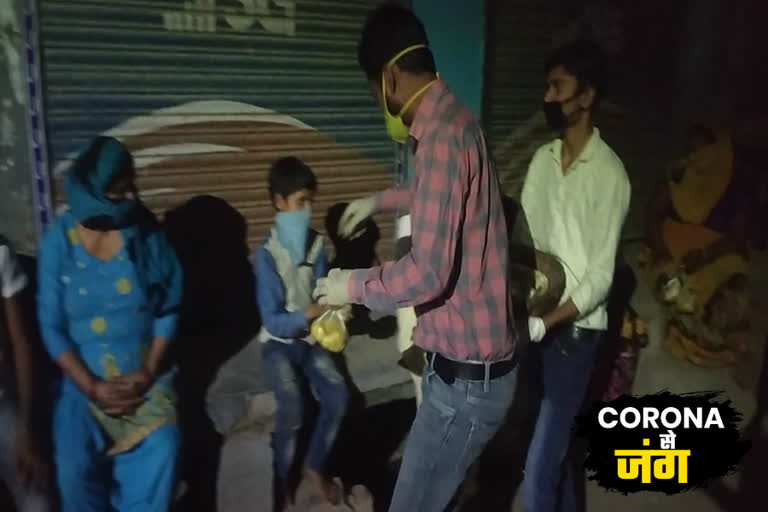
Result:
<point x="452" y="426"/>
<point x="284" y="364"/>
<point x="566" y="369"/>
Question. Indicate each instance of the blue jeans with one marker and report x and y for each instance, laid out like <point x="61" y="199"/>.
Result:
<point x="452" y="426"/>
<point x="27" y="500"/>
<point x="566" y="370"/>
<point x="284" y="364"/>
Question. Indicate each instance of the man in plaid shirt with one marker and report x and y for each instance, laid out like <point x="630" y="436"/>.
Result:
<point x="455" y="274"/>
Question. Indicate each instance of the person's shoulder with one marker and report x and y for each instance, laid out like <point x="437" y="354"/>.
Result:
<point x="611" y="165"/>
<point x="545" y="150"/>
<point x="463" y="124"/>
<point x="611" y="175"/>
<point x="453" y="119"/>
<point x="315" y="237"/>
<point x="262" y="249"/>
<point x="264" y="266"/>
<point x="541" y="157"/>
<point x="63" y="220"/>
<point x="610" y="158"/>
<point x="62" y="228"/>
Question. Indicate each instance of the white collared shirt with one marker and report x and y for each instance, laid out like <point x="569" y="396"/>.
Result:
<point x="577" y="216"/>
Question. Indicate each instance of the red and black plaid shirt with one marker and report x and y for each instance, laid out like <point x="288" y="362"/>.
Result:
<point x="455" y="274"/>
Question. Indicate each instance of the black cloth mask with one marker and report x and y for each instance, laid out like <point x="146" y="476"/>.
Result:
<point x="553" y="111"/>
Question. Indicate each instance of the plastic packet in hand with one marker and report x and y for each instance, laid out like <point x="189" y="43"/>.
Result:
<point x="330" y="329"/>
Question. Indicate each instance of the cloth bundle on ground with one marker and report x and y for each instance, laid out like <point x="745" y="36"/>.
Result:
<point x="707" y="304"/>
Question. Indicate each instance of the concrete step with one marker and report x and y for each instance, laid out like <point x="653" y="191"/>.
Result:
<point x="239" y="396"/>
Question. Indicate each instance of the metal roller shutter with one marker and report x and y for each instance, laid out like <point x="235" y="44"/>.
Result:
<point x="207" y="94"/>
<point x="519" y="42"/>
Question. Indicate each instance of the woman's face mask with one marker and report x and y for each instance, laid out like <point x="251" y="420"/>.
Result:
<point x="122" y="192"/>
<point x="396" y="128"/>
<point x="124" y="198"/>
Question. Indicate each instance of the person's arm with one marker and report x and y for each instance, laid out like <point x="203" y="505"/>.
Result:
<point x="393" y="199"/>
<point x="51" y="314"/>
<point x="32" y="468"/>
<point x="437" y="217"/>
<point x="270" y="298"/>
<point x="50" y="309"/>
<point x="565" y="313"/>
<point x="167" y="317"/>
<point x="594" y="286"/>
<point x="13" y="281"/>
<point x="116" y="397"/>
<point x="22" y="357"/>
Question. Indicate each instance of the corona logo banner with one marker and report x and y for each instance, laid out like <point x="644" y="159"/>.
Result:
<point x="663" y="442"/>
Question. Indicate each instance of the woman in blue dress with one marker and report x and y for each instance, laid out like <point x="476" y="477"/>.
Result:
<point x="110" y="289"/>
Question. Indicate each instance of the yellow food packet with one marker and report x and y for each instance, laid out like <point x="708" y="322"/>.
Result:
<point x="330" y="330"/>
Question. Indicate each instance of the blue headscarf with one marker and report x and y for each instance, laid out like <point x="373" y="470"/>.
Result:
<point x="87" y="182"/>
<point x="93" y="171"/>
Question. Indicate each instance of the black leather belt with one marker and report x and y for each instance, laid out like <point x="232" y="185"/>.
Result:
<point x="449" y="370"/>
<point x="579" y="333"/>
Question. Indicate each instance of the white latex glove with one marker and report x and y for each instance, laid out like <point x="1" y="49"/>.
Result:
<point x="536" y="329"/>
<point x="356" y="212"/>
<point x="334" y="289"/>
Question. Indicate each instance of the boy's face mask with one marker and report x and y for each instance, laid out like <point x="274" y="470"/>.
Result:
<point x="292" y="232"/>
<point x="396" y="128"/>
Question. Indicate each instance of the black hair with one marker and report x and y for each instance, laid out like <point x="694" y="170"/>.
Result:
<point x="584" y="60"/>
<point x="390" y="29"/>
<point x="332" y="218"/>
<point x="289" y="175"/>
<point x="359" y="252"/>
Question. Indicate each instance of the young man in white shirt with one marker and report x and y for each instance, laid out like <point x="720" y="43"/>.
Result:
<point x="575" y="198"/>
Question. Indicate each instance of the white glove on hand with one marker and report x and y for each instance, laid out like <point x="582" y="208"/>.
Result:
<point x="356" y="212"/>
<point x="334" y="289"/>
<point x="536" y="329"/>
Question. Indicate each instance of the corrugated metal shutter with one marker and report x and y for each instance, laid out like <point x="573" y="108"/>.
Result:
<point x="519" y="42"/>
<point x="207" y="94"/>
